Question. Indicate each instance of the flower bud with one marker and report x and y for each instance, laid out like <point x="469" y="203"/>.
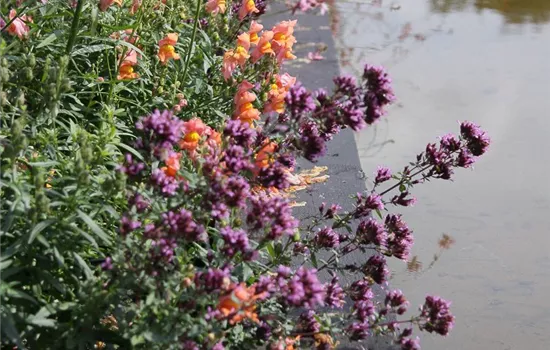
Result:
<point x="31" y="60"/>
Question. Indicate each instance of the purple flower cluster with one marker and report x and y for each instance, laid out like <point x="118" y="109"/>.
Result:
<point x="162" y="251"/>
<point x="225" y="193"/>
<point x="365" y="205"/>
<point x="376" y="268"/>
<point x="299" y="101"/>
<point x="139" y="202"/>
<point x="239" y="133"/>
<point x="304" y="289"/>
<point x="378" y="94"/>
<point x="438" y="316"/>
<point x="400" y="238"/>
<point x="410" y="344"/>
<point x="358" y="330"/>
<point x="167" y="185"/>
<point x="346" y="85"/>
<point x="311" y="142"/>
<point x="237" y="159"/>
<point x="382" y="174"/>
<point x="334" y="294"/>
<point x="235" y="241"/>
<point x="213" y="279"/>
<point x="161" y="132"/>
<point x="130" y="167"/>
<point x="273" y="212"/>
<point x="396" y="301"/>
<point x="403" y="200"/>
<point x="128" y="225"/>
<point x="362" y="295"/>
<point x="477" y="139"/>
<point x="327" y="238"/>
<point x="274" y="175"/>
<point x="307" y="322"/>
<point x="181" y="224"/>
<point x="371" y="231"/>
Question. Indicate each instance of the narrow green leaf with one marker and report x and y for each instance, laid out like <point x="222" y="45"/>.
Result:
<point x="314" y="260"/>
<point x="8" y="328"/>
<point x="85" y="268"/>
<point x="39" y="228"/>
<point x="58" y="256"/>
<point x="94" y="226"/>
<point x="92" y="48"/>
<point x="50" y="39"/>
<point x="5" y="264"/>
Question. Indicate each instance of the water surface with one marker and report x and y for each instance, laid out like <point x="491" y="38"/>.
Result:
<point x="487" y="61"/>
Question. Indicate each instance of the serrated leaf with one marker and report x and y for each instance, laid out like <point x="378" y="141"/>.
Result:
<point x="85" y="268"/>
<point x="39" y="228"/>
<point x="94" y="226"/>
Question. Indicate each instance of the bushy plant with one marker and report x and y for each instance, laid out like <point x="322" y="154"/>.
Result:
<point x="147" y="151"/>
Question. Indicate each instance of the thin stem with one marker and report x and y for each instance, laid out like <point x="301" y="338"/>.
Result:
<point x="74" y="26"/>
<point x="401" y="181"/>
<point x="193" y="35"/>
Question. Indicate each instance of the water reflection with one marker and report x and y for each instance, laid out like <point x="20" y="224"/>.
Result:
<point x="514" y="11"/>
<point x="468" y="68"/>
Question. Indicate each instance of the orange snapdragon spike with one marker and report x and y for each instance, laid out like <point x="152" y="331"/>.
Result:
<point x="244" y="109"/>
<point x="283" y="40"/>
<point x="193" y="132"/>
<point x="240" y="304"/>
<point x="126" y="70"/>
<point x="255" y="28"/>
<point x="263" y="47"/>
<point x="105" y="4"/>
<point x="166" y="48"/>
<point x="216" y="6"/>
<point x="247" y="7"/>
<point x="18" y="26"/>
<point x="172" y="164"/>
<point x="277" y="93"/>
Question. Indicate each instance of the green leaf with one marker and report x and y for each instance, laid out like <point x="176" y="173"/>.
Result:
<point x="8" y="328"/>
<point x="271" y="250"/>
<point x="50" y="39"/>
<point x="314" y="260"/>
<point x="131" y="150"/>
<point x="94" y="226"/>
<point x="85" y="268"/>
<point x="39" y="228"/>
<point x="58" y="256"/>
<point x="40" y="319"/>
<point x="89" y="49"/>
<point x="5" y="264"/>
<point x="43" y="164"/>
<point x="402" y="188"/>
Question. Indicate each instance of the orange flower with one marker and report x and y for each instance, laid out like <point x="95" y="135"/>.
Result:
<point x="283" y="40"/>
<point x="167" y="49"/>
<point x="244" y="109"/>
<point x="285" y="81"/>
<point x="172" y="164"/>
<point x="193" y="131"/>
<point x="229" y="64"/>
<point x="264" y="157"/>
<point x="276" y="96"/>
<point x="247" y="7"/>
<point x="239" y="304"/>
<point x="126" y="70"/>
<point x="105" y="4"/>
<point x="255" y="28"/>
<point x="215" y="6"/>
<point x="136" y="4"/>
<point x="19" y="26"/>
<point x="214" y="139"/>
<point x="263" y="47"/>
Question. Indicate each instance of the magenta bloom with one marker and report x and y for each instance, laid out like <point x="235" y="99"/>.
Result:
<point x="438" y="315"/>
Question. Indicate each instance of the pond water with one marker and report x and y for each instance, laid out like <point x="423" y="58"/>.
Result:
<point x="487" y="61"/>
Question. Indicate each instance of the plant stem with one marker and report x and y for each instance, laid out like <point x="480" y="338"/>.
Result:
<point x="74" y="26"/>
<point x="192" y="43"/>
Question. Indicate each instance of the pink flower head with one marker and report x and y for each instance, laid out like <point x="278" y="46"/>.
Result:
<point x="18" y="26"/>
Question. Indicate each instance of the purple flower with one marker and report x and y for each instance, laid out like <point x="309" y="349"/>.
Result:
<point x="332" y="211"/>
<point x="334" y="294"/>
<point x="371" y="231"/>
<point x="352" y="115"/>
<point x="410" y="344"/>
<point x="312" y="144"/>
<point x="167" y="185"/>
<point x="402" y="199"/>
<point x="128" y="225"/>
<point x="239" y="133"/>
<point x="346" y="85"/>
<point x="400" y="239"/>
<point x="434" y="155"/>
<point x="450" y="143"/>
<point x="218" y="346"/>
<point x="273" y="213"/>
<point x="327" y="238"/>
<point x="382" y="174"/>
<point x="237" y="159"/>
<point x="162" y="131"/>
<point x="235" y="241"/>
<point x="364" y="309"/>
<point x="274" y="175"/>
<point x="465" y="159"/>
<point x="287" y="160"/>
<point x="438" y="315"/>
<point x="181" y="224"/>
<point x="366" y="205"/>
<point x="213" y="279"/>
<point x="358" y="330"/>
<point x="395" y="299"/>
<point x="360" y="290"/>
<point x="477" y="139"/>
<point x="379" y="92"/>
<point x="265" y="284"/>
<point x="299" y="101"/>
<point x="162" y="250"/>
<point x="189" y="345"/>
<point x="307" y="322"/>
<point x="107" y="264"/>
<point x="263" y="331"/>
<point x="130" y="167"/>
<point x="377" y="269"/>
<point x="139" y="202"/>
<point x="304" y="289"/>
